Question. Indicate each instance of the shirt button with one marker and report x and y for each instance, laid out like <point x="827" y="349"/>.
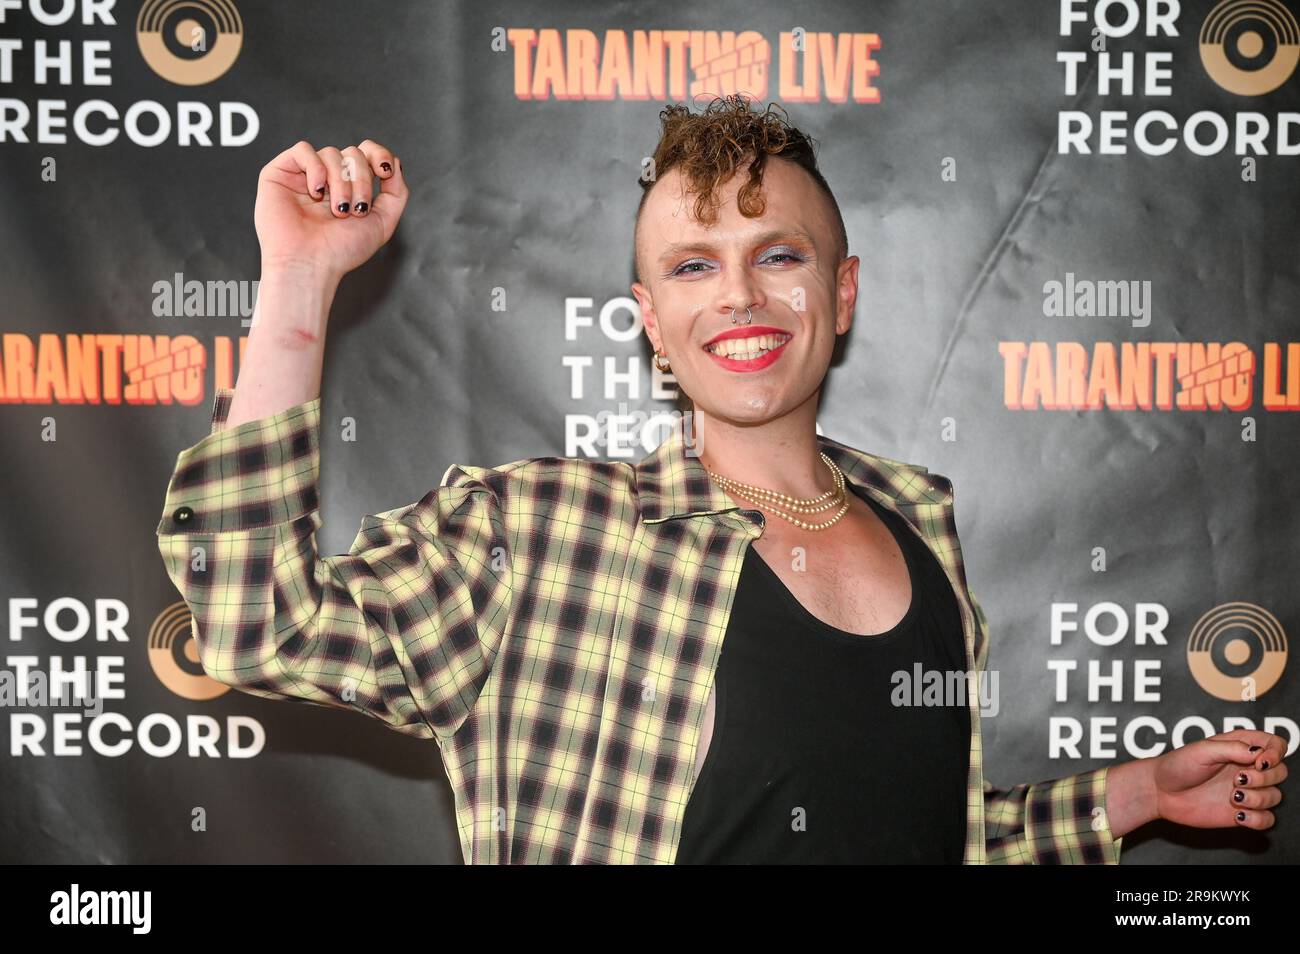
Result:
<point x="183" y="515"/>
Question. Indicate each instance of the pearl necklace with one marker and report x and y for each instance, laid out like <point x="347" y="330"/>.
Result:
<point x="777" y="503"/>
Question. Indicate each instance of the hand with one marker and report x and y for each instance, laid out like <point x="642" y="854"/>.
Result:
<point x="1194" y="784"/>
<point x="315" y="209"/>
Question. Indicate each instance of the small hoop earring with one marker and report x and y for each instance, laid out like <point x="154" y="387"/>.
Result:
<point x="747" y="312"/>
<point x="662" y="367"/>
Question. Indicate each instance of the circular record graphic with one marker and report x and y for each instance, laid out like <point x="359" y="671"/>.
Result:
<point x="189" y="42"/>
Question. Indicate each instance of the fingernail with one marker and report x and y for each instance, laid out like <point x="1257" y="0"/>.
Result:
<point x="1241" y="779"/>
<point x="386" y="166"/>
<point x="360" y="208"/>
<point x="1264" y="764"/>
<point x="1241" y="816"/>
<point x="343" y="206"/>
<point x="1255" y="748"/>
<point x="320" y="191"/>
<point x="1238" y="795"/>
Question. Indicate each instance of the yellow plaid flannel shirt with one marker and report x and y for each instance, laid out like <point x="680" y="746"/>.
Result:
<point x="553" y="623"/>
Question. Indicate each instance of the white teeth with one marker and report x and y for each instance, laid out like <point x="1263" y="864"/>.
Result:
<point x="746" y="349"/>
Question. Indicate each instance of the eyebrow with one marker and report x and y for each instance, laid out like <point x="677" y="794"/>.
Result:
<point x="679" y="248"/>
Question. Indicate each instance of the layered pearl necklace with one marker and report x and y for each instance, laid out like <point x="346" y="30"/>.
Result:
<point x="778" y="503"/>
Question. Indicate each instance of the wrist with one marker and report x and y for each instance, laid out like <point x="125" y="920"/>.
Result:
<point x="301" y="273"/>
<point x="293" y="303"/>
<point x="1132" y="798"/>
<point x="1149" y="784"/>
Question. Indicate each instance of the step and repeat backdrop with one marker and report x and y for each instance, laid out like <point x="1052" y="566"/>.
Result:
<point x="1079" y="283"/>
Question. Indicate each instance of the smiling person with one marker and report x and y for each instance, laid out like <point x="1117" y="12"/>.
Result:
<point x="686" y="659"/>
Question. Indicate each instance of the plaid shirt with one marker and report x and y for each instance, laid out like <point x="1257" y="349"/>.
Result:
<point x="553" y="623"/>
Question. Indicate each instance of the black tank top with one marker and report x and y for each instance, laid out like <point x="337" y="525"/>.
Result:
<point x="806" y="734"/>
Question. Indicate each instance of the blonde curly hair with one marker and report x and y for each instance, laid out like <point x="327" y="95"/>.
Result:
<point x="711" y="146"/>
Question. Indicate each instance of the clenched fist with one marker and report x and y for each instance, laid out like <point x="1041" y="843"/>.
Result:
<point x="317" y="209"/>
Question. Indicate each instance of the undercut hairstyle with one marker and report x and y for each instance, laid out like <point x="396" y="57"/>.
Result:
<point x="710" y="147"/>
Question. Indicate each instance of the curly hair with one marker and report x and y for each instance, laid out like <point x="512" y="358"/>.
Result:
<point x="710" y="147"/>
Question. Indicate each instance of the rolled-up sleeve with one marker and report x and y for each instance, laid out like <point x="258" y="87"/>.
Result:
<point x="1062" y="821"/>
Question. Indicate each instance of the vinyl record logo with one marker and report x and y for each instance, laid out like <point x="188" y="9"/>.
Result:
<point x="1235" y="643"/>
<point x="175" y="658"/>
<point x="1250" y="47"/>
<point x="189" y="42"/>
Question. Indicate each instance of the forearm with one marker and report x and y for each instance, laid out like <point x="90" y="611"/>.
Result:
<point x="286" y="344"/>
<point x="1130" y="796"/>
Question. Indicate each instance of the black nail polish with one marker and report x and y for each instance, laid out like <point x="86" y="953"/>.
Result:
<point x="343" y="206"/>
<point x="1264" y="764"/>
<point x="1255" y="748"/>
<point x="1238" y="796"/>
<point x="386" y="166"/>
<point x="1241" y="816"/>
<point x="320" y="191"/>
<point x="1241" y="779"/>
<point x="361" y="208"/>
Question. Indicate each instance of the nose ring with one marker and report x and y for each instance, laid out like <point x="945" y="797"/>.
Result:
<point x="747" y="311"/>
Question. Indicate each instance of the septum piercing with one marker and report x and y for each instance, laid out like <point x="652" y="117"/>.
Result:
<point x="749" y="319"/>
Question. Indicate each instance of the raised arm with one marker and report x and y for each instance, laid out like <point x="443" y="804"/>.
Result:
<point x="317" y="218"/>
<point x="405" y="626"/>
